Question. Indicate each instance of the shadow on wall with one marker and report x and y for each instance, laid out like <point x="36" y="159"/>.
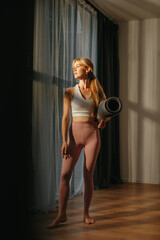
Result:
<point x="139" y="91"/>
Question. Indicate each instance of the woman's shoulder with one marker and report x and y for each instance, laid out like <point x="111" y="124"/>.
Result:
<point x="69" y="92"/>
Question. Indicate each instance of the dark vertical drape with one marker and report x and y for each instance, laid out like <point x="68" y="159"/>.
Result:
<point x="107" y="170"/>
<point x="16" y="97"/>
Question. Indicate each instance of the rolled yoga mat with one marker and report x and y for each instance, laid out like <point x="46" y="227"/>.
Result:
<point x="109" y="107"/>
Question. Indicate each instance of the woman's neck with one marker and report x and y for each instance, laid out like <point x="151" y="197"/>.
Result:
<point x="84" y="83"/>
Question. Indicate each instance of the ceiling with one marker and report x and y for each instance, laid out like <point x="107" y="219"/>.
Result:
<point x="126" y="10"/>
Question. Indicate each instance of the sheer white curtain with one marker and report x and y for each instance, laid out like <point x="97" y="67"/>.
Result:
<point x="63" y="30"/>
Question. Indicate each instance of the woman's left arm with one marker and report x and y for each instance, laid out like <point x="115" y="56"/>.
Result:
<point x="102" y="122"/>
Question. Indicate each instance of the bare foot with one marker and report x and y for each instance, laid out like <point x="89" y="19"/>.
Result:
<point x="57" y="221"/>
<point x="87" y="219"/>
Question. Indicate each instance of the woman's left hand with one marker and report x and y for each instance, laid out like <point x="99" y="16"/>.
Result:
<point x="102" y="124"/>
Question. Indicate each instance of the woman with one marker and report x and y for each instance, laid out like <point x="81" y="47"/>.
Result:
<point x="83" y="99"/>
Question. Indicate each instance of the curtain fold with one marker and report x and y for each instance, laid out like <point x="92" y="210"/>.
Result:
<point x="63" y="30"/>
<point x="107" y="169"/>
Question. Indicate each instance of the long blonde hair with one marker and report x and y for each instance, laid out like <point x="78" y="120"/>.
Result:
<point x="96" y="89"/>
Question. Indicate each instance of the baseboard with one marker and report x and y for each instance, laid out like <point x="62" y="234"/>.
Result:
<point x="127" y="180"/>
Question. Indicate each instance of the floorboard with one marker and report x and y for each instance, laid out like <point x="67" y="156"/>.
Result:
<point x="129" y="211"/>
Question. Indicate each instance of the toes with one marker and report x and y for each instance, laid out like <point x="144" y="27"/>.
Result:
<point x="89" y="220"/>
<point x="49" y="226"/>
<point x="57" y="221"/>
<point x="92" y="221"/>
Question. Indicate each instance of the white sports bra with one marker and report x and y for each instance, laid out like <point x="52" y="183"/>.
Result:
<point x="80" y="107"/>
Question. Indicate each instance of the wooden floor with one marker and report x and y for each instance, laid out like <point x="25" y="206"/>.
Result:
<point x="123" y="212"/>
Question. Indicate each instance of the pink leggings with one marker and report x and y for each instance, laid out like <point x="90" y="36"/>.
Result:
<point x="81" y="134"/>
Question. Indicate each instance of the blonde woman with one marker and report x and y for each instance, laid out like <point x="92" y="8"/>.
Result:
<point x="82" y="100"/>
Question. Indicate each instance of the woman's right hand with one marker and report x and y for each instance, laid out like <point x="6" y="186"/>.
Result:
<point x="65" y="152"/>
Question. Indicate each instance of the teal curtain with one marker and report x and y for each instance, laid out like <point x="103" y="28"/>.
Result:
<point x="63" y="30"/>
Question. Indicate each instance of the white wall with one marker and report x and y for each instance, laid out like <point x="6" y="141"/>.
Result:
<point x="139" y="52"/>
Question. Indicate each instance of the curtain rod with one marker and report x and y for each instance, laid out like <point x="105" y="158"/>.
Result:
<point x="114" y="21"/>
<point x="88" y="6"/>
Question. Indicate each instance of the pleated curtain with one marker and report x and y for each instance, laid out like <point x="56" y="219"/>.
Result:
<point x="63" y="30"/>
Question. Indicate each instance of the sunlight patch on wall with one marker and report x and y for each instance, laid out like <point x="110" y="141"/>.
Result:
<point x="150" y="81"/>
<point x="132" y="144"/>
<point x="133" y="60"/>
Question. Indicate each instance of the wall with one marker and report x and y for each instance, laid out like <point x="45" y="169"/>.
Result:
<point x="139" y="52"/>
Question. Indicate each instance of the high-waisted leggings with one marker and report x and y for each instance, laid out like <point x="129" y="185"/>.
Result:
<point x="81" y="135"/>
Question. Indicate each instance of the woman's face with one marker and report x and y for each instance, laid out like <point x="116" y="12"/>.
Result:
<point x="80" y="71"/>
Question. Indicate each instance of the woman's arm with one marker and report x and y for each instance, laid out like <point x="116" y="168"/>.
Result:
<point x="102" y="123"/>
<point x="65" y="121"/>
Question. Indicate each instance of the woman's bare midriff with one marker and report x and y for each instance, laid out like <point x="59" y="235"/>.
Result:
<point x="83" y="119"/>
